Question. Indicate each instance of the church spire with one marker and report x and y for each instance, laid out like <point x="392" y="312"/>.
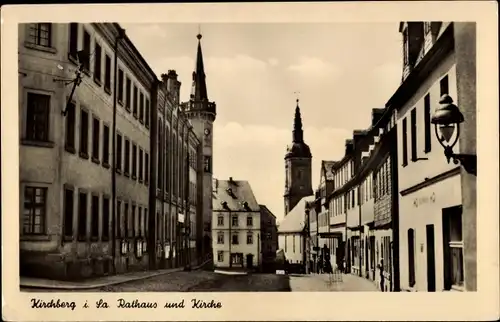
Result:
<point x="298" y="134"/>
<point x="199" y="90"/>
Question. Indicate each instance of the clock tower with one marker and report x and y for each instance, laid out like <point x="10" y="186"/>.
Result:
<point x="201" y="112"/>
<point x="298" y="173"/>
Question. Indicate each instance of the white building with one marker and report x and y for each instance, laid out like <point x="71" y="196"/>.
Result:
<point x="235" y="225"/>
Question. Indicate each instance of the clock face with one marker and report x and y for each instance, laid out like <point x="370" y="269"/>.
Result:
<point x="207" y="132"/>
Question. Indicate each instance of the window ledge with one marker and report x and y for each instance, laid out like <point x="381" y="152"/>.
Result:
<point x="134" y="177"/>
<point x="135" y="115"/>
<point x="86" y="71"/>
<point x="70" y="149"/>
<point x="120" y="102"/>
<point x="72" y="59"/>
<point x="118" y="171"/>
<point x="97" y="81"/>
<point x="84" y="155"/>
<point x="68" y="238"/>
<point x="106" y="165"/>
<point x="127" y="107"/>
<point x="35" y="237"/>
<point x="141" y="121"/>
<point x="126" y="174"/>
<point x="457" y="288"/>
<point x="40" y="48"/>
<point x="41" y="144"/>
<point x="107" y="89"/>
<point x="96" y="160"/>
<point x="94" y="239"/>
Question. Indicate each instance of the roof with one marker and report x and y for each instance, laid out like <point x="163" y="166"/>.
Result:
<point x="264" y="209"/>
<point x="234" y="193"/>
<point x="294" y="221"/>
<point x="327" y="167"/>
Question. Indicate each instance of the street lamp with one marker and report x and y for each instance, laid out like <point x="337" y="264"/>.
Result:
<point x="446" y="120"/>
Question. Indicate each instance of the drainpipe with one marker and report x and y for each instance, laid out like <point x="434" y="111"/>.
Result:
<point x="121" y="35"/>
<point x="360" y="237"/>
<point x="187" y="225"/>
<point x="163" y="183"/>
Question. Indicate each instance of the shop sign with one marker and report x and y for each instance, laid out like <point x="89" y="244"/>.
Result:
<point x="417" y="202"/>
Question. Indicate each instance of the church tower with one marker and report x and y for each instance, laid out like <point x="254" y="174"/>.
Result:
<point x="298" y="173"/>
<point x="201" y="112"/>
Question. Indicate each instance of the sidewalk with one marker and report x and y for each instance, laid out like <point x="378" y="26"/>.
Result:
<point x="99" y="281"/>
<point x="322" y="283"/>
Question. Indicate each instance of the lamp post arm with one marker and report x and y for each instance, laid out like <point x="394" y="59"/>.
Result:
<point x="468" y="161"/>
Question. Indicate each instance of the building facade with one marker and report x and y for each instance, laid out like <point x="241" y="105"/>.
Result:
<point x="236" y="226"/>
<point x="201" y="112"/>
<point x="298" y="173"/>
<point x="69" y="225"/>
<point x="269" y="237"/>
<point x="433" y="193"/>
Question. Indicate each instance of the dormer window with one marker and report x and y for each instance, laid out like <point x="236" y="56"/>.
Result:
<point x="230" y="192"/>
<point x="224" y="205"/>
<point x="427" y="27"/>
<point x="405" y="46"/>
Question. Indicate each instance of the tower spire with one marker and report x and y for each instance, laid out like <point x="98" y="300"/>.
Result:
<point x="298" y="134"/>
<point x="199" y="90"/>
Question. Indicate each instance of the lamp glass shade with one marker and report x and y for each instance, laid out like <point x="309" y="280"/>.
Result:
<point x="447" y="132"/>
<point x="447" y="112"/>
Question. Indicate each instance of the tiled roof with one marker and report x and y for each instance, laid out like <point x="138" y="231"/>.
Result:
<point x="235" y="193"/>
<point x="327" y="167"/>
<point x="294" y="221"/>
<point x="264" y="209"/>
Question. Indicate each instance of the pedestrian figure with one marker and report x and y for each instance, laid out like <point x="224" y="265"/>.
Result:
<point x="381" y="270"/>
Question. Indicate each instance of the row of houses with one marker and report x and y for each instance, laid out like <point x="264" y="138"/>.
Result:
<point x="395" y="209"/>
<point x="244" y="231"/>
<point x="115" y="172"/>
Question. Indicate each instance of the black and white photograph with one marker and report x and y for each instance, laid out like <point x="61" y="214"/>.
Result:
<point x="203" y="156"/>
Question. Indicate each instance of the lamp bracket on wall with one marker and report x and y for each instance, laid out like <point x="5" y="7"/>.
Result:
<point x="468" y="161"/>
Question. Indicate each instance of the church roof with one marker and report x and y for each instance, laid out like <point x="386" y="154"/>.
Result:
<point x="294" y="221"/>
<point x="298" y="149"/>
<point x="232" y="195"/>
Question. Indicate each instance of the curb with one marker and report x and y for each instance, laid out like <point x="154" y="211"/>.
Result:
<point x="84" y="287"/>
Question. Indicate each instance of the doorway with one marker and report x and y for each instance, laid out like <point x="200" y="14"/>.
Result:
<point x="431" y="259"/>
<point x="249" y="261"/>
<point x="372" y="256"/>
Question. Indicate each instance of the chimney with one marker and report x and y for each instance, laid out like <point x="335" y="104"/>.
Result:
<point x="377" y="115"/>
<point x="415" y="40"/>
<point x="349" y="146"/>
<point x="231" y="179"/>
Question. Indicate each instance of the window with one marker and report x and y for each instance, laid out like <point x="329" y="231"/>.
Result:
<point x="220" y="256"/>
<point x="126" y="167"/>
<point x="105" y="219"/>
<point x="105" y="145"/>
<point x="82" y="216"/>
<point x="40" y="34"/>
<point x="70" y="128"/>
<point x="235" y="240"/>
<point x="84" y="134"/>
<point x="293" y="242"/>
<point x="35" y="200"/>
<point x="141" y="223"/>
<point x="249" y="221"/>
<point x="95" y="139"/>
<point x="120" y="86"/>
<point x="141" y="107"/>
<point x="141" y="162"/>
<point x="94" y="227"/>
<point x="136" y="99"/>
<point x="97" y="63"/>
<point x="427" y="27"/>
<point x="73" y="39"/>
<point x="207" y="166"/>
<point x="118" y="152"/>
<point x="133" y="232"/>
<point x="146" y="222"/>
<point x="86" y="50"/>
<point x="220" y="238"/>
<point x="444" y="86"/>
<point x="413" y="120"/>
<point x="128" y="94"/>
<point x="249" y="238"/>
<point x="119" y="217"/>
<point x="147" y="113"/>
<point x="411" y="257"/>
<point x="453" y="248"/>
<point x="405" y="143"/>
<point x="37" y="123"/>
<point x="220" y="220"/>
<point x="125" y="220"/>
<point x="146" y="167"/>
<point x="427" y="120"/>
<point x="68" y="213"/>
<point x="134" y="161"/>
<point x="234" y="221"/>
<point x="285" y="244"/>
<point x="107" y="74"/>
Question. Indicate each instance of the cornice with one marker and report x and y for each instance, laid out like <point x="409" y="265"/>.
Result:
<point x="431" y="181"/>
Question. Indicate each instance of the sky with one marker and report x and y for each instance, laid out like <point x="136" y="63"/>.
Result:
<point x="341" y="71"/>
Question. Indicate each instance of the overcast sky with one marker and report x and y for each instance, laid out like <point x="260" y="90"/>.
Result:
<point x="342" y="71"/>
